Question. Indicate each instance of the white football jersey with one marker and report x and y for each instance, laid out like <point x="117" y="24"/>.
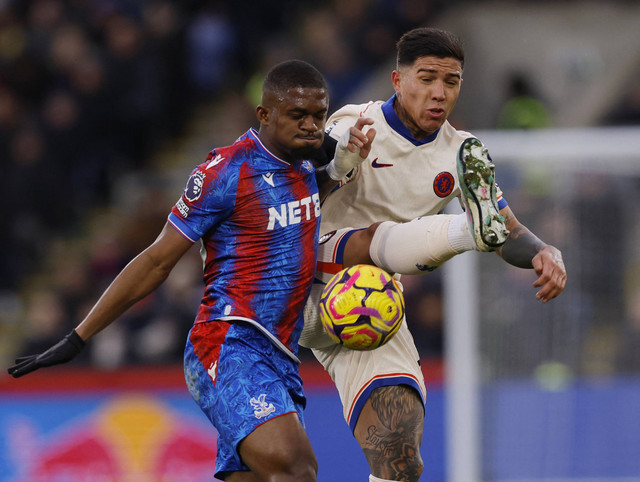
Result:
<point x="401" y="179"/>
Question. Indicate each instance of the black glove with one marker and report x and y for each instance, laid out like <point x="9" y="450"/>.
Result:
<point x="64" y="351"/>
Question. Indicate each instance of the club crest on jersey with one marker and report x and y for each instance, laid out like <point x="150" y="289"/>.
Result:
<point x="194" y="186"/>
<point x="261" y="408"/>
<point x="443" y="184"/>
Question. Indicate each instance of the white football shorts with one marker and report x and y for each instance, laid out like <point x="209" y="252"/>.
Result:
<point x="356" y="373"/>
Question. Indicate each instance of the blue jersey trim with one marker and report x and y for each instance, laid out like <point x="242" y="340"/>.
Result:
<point x="183" y="228"/>
<point x="253" y="134"/>
<point x="397" y="125"/>
<point x="343" y="244"/>
<point x="380" y="382"/>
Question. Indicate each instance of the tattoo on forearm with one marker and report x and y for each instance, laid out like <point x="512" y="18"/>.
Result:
<point x="521" y="246"/>
<point x="393" y="446"/>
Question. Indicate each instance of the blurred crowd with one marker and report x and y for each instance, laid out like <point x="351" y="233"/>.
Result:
<point x="95" y="98"/>
<point x="94" y="93"/>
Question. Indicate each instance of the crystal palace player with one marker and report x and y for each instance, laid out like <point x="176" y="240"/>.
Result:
<point x="417" y="165"/>
<point x="255" y="207"/>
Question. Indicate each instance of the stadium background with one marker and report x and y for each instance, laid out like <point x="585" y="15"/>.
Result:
<point x="105" y="106"/>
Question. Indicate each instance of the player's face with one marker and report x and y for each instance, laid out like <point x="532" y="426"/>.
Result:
<point x="426" y="93"/>
<point x="292" y="125"/>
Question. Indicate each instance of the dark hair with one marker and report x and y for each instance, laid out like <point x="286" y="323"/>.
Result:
<point x="292" y="74"/>
<point x="424" y="41"/>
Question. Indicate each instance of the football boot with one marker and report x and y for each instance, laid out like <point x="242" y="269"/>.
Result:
<point x="476" y="175"/>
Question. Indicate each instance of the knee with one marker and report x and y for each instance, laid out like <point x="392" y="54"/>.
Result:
<point x="369" y="232"/>
<point x="406" y="466"/>
<point x="305" y="467"/>
<point x="401" y="461"/>
<point x="358" y="246"/>
<point x="294" y="466"/>
<point x="413" y="468"/>
<point x="283" y="460"/>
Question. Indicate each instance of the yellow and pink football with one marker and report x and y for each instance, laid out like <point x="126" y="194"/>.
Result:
<point x="362" y="307"/>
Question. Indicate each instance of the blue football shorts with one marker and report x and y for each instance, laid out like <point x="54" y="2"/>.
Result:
<point x="240" y="380"/>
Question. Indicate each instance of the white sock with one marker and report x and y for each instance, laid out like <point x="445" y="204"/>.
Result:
<point x="459" y="234"/>
<point x="378" y="479"/>
<point x="418" y="246"/>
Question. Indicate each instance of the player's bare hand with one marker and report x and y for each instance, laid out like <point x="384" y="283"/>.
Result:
<point x="552" y="275"/>
<point x="360" y="141"/>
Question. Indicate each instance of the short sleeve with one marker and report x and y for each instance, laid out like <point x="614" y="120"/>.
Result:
<point x="208" y="198"/>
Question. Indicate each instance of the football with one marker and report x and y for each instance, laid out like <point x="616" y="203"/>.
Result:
<point x="362" y="307"/>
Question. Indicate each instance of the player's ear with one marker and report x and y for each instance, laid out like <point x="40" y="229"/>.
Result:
<point x="395" y="80"/>
<point x="263" y="114"/>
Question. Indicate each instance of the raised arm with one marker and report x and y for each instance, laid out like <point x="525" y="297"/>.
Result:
<point x="351" y="149"/>
<point x="525" y="250"/>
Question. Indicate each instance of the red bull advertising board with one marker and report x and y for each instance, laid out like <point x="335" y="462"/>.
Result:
<point x="65" y="424"/>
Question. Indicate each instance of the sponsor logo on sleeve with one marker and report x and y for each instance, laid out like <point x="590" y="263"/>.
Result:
<point x="182" y="207"/>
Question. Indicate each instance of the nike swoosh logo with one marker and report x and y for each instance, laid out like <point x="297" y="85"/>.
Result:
<point x="376" y="164"/>
<point x="268" y="178"/>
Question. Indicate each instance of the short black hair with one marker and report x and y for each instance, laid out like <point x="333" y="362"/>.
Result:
<point x="292" y="74"/>
<point x="425" y="41"/>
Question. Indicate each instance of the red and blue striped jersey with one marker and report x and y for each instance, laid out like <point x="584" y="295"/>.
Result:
<point x="258" y="218"/>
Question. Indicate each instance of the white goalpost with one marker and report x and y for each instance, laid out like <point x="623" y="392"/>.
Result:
<point x="461" y="368"/>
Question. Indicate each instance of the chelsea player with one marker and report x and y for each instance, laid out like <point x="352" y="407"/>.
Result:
<point x="255" y="208"/>
<point x="418" y="164"/>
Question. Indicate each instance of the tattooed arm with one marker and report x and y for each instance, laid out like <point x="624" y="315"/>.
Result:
<point x="525" y="250"/>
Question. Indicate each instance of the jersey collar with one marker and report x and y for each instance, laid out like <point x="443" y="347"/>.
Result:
<point x="252" y="133"/>
<point x="397" y="125"/>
